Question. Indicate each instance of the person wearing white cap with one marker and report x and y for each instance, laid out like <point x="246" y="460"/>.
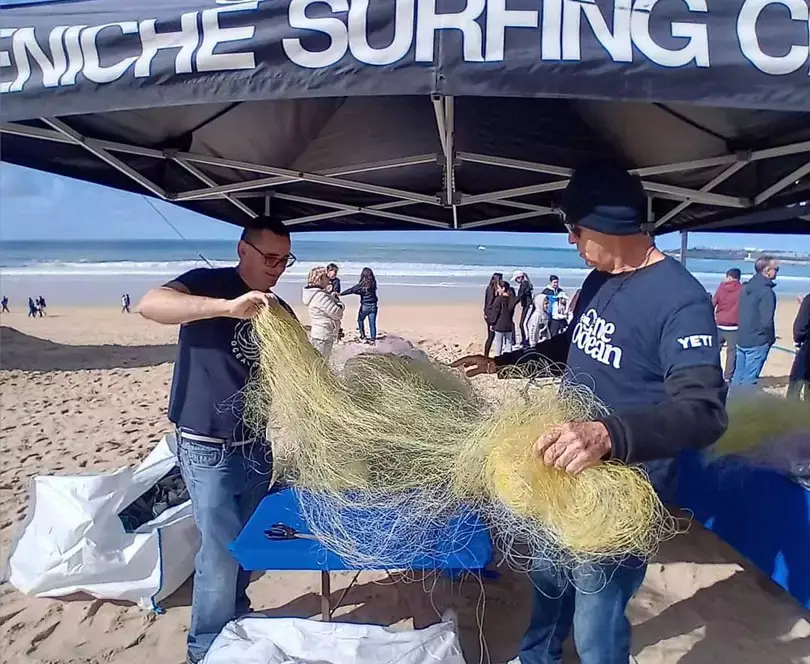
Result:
<point x="525" y="298"/>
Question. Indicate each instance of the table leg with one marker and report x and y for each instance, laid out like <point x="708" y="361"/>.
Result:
<point x="326" y="593"/>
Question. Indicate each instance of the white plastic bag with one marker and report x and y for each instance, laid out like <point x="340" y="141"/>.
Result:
<point x="390" y="345"/>
<point x="74" y="542"/>
<point x="258" y="640"/>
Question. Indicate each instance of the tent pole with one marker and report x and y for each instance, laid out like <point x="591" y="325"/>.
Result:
<point x="684" y="246"/>
<point x="202" y="177"/>
<point x="722" y="177"/>
<point x="791" y="178"/>
<point x="78" y="139"/>
<point x="444" y="109"/>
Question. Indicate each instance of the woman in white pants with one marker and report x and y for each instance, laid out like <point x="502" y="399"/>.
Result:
<point x="325" y="311"/>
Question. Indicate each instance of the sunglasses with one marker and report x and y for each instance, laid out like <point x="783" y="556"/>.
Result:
<point x="271" y="260"/>
<point x="573" y="229"/>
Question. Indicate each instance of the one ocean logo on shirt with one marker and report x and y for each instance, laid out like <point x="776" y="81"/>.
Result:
<point x="243" y="344"/>
<point x="593" y="335"/>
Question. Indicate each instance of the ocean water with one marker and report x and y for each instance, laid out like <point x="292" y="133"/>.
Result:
<point x="91" y="272"/>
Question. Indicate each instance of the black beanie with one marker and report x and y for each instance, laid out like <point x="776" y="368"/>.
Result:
<point x="607" y="199"/>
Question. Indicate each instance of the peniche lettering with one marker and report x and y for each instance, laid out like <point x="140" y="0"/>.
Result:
<point x="317" y="34"/>
<point x="58" y="58"/>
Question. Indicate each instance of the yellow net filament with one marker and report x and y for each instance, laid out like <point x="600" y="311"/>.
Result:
<point x="758" y="418"/>
<point x="396" y="436"/>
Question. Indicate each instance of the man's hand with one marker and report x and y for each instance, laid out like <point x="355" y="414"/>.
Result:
<point x="574" y="447"/>
<point x="475" y="365"/>
<point x="248" y="305"/>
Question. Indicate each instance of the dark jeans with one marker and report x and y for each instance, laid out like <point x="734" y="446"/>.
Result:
<point x="593" y="602"/>
<point x="728" y="338"/>
<point x="371" y="314"/>
<point x="525" y="313"/>
<point x="490" y="339"/>
<point x="799" y="374"/>
<point x="556" y="326"/>
<point x="750" y="362"/>
<point x="225" y="483"/>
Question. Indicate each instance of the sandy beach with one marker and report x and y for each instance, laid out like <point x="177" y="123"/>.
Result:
<point x="86" y="389"/>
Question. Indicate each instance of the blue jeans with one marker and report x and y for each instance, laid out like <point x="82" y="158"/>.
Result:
<point x="225" y="484"/>
<point x="749" y="364"/>
<point x="594" y="601"/>
<point x="371" y="314"/>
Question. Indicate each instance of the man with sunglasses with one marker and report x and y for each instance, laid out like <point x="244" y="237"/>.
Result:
<point x="756" y="333"/>
<point x="225" y="462"/>
<point x="643" y="337"/>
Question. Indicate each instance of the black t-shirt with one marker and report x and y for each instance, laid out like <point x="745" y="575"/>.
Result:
<point x="215" y="360"/>
<point x="630" y="332"/>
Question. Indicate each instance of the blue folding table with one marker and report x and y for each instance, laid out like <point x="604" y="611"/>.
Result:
<point x="763" y="514"/>
<point x="464" y="546"/>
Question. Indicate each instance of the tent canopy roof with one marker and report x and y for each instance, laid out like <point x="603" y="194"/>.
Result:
<point x="210" y="106"/>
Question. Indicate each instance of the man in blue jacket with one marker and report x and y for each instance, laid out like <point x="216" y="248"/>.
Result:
<point x="756" y="333"/>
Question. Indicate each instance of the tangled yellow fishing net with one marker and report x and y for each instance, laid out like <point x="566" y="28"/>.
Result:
<point x="394" y="450"/>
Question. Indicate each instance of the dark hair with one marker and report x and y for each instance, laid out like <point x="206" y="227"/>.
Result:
<point x="332" y="266"/>
<point x="494" y="280"/>
<point x="553" y="277"/>
<point x="762" y="263"/>
<point x="255" y="227"/>
<point x="367" y="279"/>
<point x="734" y="273"/>
<point x="504" y="285"/>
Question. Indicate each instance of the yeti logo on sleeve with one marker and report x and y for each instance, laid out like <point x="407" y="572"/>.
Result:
<point x="593" y="335"/>
<point x="696" y="341"/>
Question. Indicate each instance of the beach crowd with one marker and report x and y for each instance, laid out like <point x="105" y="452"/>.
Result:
<point x="641" y="330"/>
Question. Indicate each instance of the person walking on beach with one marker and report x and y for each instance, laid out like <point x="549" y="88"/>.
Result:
<point x="226" y="462"/>
<point x="726" y="301"/>
<point x="525" y="296"/>
<point x="489" y="296"/>
<point x="502" y="314"/>
<point x="556" y="306"/>
<point x="4" y="302"/>
<point x="757" y="331"/>
<point x="32" y="308"/>
<point x="41" y="306"/>
<point x="325" y="311"/>
<point x="332" y="271"/>
<point x="800" y="371"/>
<point x="125" y="303"/>
<point x="644" y="338"/>
<point x="366" y="288"/>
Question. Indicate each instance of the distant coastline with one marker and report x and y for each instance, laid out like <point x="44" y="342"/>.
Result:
<point x="745" y="255"/>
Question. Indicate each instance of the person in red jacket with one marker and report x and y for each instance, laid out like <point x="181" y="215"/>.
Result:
<point x="726" y="303"/>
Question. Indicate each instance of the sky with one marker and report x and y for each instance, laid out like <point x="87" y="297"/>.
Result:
<point x="40" y="206"/>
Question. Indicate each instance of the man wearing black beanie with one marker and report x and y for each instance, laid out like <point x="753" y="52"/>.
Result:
<point x="643" y="336"/>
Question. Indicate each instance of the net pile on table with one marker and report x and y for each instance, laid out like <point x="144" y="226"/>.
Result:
<point x="395" y="451"/>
